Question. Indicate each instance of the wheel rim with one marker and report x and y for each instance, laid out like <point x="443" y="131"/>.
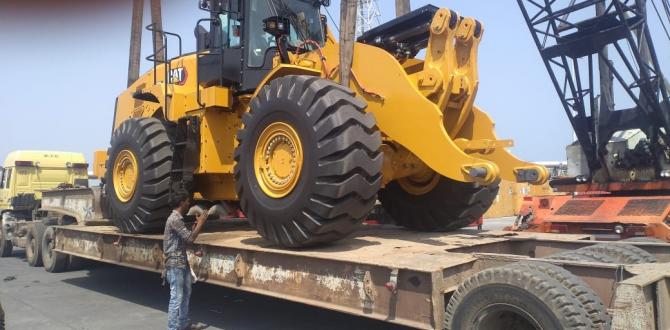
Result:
<point x="125" y="175"/>
<point x="278" y="159"/>
<point x="421" y="183"/>
<point x="505" y="316"/>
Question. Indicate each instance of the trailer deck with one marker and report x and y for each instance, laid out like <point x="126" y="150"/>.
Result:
<point x="382" y="272"/>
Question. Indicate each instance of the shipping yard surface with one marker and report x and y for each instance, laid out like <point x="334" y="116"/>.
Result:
<point x="103" y="297"/>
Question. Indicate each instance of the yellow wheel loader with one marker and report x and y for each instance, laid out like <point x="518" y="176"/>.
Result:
<point x="256" y="117"/>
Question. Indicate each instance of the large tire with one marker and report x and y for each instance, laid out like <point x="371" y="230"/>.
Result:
<point x="54" y="262"/>
<point x="590" y="301"/>
<point x="450" y="205"/>
<point x="340" y="173"/>
<point x="145" y="209"/>
<point x="6" y="246"/>
<point x="645" y="240"/>
<point x="2" y="318"/>
<point x="75" y="263"/>
<point x="622" y="253"/>
<point x="514" y="297"/>
<point x="583" y="256"/>
<point x="34" y="243"/>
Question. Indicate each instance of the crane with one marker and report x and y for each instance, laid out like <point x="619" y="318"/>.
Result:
<point x="601" y="59"/>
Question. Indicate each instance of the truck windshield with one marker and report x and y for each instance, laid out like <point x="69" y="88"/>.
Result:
<point x="305" y="20"/>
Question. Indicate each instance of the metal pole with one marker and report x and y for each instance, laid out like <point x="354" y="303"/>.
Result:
<point x="157" y="21"/>
<point x="348" y="10"/>
<point x="402" y="7"/>
<point x="135" y="42"/>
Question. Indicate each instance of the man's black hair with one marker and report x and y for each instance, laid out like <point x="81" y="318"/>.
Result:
<point x="178" y="197"/>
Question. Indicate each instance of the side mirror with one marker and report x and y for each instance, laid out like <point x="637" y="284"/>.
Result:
<point x="324" y="24"/>
<point x="277" y="26"/>
<point x="325" y="3"/>
<point x="214" y="6"/>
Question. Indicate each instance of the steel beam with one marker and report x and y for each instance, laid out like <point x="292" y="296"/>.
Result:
<point x="402" y="7"/>
<point x="135" y="42"/>
<point x="157" y="21"/>
<point x="348" y="10"/>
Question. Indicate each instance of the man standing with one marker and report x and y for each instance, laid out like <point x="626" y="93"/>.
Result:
<point x="177" y="270"/>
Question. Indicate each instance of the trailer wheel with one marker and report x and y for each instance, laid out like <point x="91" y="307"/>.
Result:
<point x="34" y="243"/>
<point x="622" y="253"/>
<point x="54" y="262"/>
<point x="6" y="246"/>
<point x="75" y="263"/>
<point x="448" y="205"/>
<point x="644" y="240"/>
<point x="582" y="255"/>
<point x="590" y="301"/>
<point x="137" y="181"/>
<point x="514" y="297"/>
<point x="2" y="318"/>
<point x="308" y="161"/>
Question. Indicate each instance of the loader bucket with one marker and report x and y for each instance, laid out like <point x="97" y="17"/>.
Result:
<point x="427" y="106"/>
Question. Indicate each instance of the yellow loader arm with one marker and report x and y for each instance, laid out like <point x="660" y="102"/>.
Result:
<point x="428" y="106"/>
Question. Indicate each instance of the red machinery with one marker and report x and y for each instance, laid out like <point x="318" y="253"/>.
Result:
<point x="620" y="184"/>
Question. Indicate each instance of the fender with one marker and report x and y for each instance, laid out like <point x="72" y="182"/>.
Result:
<point x="283" y="70"/>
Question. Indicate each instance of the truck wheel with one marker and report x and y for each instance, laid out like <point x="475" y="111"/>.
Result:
<point x="138" y="175"/>
<point x="54" y="262"/>
<point x="437" y="204"/>
<point x="6" y="246"/>
<point x="308" y="161"/>
<point x="514" y="297"/>
<point x="644" y="240"/>
<point x="622" y="253"/>
<point x="2" y="318"/>
<point x="582" y="255"/>
<point x="75" y="263"/>
<point x="590" y="301"/>
<point x="34" y="243"/>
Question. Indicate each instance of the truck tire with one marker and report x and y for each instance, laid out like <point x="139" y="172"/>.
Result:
<point x="644" y="240"/>
<point x="308" y="162"/>
<point x="514" y="297"/>
<point x="75" y="263"/>
<point x="34" y="243"/>
<point x="54" y="262"/>
<point x="582" y="255"/>
<point x="622" y="253"/>
<point x="450" y="205"/>
<point x="6" y="246"/>
<point x="590" y="301"/>
<point x="138" y="175"/>
<point x="2" y="318"/>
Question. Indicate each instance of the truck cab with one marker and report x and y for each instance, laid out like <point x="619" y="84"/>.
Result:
<point x="24" y="176"/>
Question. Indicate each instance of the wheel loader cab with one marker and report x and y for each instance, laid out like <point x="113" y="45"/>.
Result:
<point x="234" y="42"/>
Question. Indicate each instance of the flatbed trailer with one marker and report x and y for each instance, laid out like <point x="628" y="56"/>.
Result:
<point x="382" y="272"/>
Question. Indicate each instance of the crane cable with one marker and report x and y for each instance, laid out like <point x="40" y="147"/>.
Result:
<point x="667" y="13"/>
<point x="331" y="19"/>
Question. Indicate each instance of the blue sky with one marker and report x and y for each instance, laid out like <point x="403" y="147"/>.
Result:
<point x="63" y="68"/>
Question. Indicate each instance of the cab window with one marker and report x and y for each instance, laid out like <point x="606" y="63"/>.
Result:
<point x="305" y="25"/>
<point x="231" y="30"/>
<point x="259" y="40"/>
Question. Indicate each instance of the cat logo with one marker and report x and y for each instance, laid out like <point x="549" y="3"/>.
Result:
<point x="178" y="76"/>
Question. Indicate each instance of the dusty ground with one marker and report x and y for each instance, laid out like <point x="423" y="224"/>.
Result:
<point x="110" y="297"/>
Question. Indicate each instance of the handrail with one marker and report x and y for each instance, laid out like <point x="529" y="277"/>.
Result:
<point x="154" y="58"/>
